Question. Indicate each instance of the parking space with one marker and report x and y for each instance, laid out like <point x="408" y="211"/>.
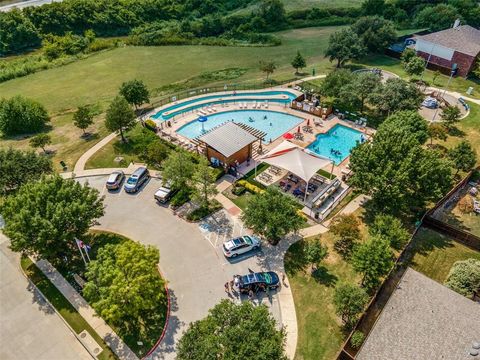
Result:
<point x="191" y="256"/>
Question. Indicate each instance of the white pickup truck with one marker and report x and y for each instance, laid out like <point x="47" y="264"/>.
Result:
<point x="164" y="193"/>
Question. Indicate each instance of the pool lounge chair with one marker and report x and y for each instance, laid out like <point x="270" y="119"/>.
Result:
<point x="266" y="104"/>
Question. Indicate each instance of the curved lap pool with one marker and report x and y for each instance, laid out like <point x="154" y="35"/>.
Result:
<point x="273" y="123"/>
<point x="198" y="102"/>
<point x="336" y="143"/>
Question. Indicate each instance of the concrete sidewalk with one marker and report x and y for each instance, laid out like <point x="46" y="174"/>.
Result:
<point x="82" y="161"/>
<point x="85" y="310"/>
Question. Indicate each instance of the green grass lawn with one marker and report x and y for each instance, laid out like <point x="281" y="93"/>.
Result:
<point x="306" y="4"/>
<point x="435" y="254"/>
<point x="66" y="310"/>
<point x="320" y="334"/>
<point x="96" y="79"/>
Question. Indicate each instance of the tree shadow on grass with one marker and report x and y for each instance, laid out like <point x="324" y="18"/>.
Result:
<point x="425" y="242"/>
<point x="455" y="131"/>
<point x="294" y="259"/>
<point x="324" y="277"/>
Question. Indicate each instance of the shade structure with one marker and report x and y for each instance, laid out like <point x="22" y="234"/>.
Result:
<point x="295" y="159"/>
<point x="288" y="136"/>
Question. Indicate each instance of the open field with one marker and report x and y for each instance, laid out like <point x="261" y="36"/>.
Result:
<point x="436" y="253"/>
<point x="95" y="80"/>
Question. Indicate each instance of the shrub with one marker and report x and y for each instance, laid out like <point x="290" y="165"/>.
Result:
<point x="180" y="198"/>
<point x="250" y="187"/>
<point x="218" y="172"/>
<point x="464" y="277"/>
<point x="151" y="125"/>
<point x="238" y="190"/>
<point x="357" y="339"/>
<point x="20" y="115"/>
<point x="465" y="205"/>
<point x="203" y="211"/>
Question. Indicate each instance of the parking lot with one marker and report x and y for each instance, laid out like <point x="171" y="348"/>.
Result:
<point x="191" y="258"/>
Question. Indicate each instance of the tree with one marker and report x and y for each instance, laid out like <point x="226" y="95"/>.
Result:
<point x="373" y="259"/>
<point x="124" y="286"/>
<point x="343" y="46"/>
<point x="268" y="67"/>
<point x="346" y="229"/>
<point x="40" y="141"/>
<point x="45" y="217"/>
<point x="395" y="95"/>
<point x="375" y="33"/>
<point x="155" y="153"/>
<point x="462" y="156"/>
<point x="349" y="301"/>
<point x="437" y="17"/>
<point x="464" y="277"/>
<point x="17" y="33"/>
<point x="437" y="131"/>
<point x="358" y="91"/>
<point x="18" y="167"/>
<point x="135" y="92"/>
<point x="334" y="82"/>
<point x="272" y="12"/>
<point x="178" y="168"/>
<point x="298" y="62"/>
<point x="217" y="335"/>
<point x="372" y="7"/>
<point x="390" y="228"/>
<point x="314" y="253"/>
<point x="407" y="55"/>
<point x="120" y="116"/>
<point x="397" y="172"/>
<point x="435" y="75"/>
<point x="450" y="116"/>
<point x="415" y="66"/>
<point x="411" y="121"/>
<point x="19" y="115"/>
<point x="204" y="179"/>
<point x="272" y="214"/>
<point x="83" y="117"/>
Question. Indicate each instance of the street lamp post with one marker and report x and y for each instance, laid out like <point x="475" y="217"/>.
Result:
<point x="452" y="72"/>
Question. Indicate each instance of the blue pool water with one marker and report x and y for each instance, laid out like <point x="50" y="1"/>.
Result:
<point x="275" y="124"/>
<point x="340" y="138"/>
<point x="229" y="97"/>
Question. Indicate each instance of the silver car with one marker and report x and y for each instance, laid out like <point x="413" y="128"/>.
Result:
<point x="240" y="245"/>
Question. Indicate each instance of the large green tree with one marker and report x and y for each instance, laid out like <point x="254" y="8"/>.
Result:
<point x="120" y="117"/>
<point x="349" y="301"/>
<point x="135" y="92"/>
<point x="397" y="171"/>
<point x="234" y="332"/>
<point x="412" y="121"/>
<point x="83" y="117"/>
<point x="17" y="32"/>
<point x="124" y="286"/>
<point x="375" y="32"/>
<point x="463" y="156"/>
<point x="204" y="179"/>
<point x="179" y="168"/>
<point x="344" y="45"/>
<point x="415" y="66"/>
<point x="346" y="229"/>
<point x="272" y="214"/>
<point x="464" y="277"/>
<point x="45" y="217"/>
<point x="18" y="167"/>
<point x="20" y="115"/>
<point x="437" y="17"/>
<point x="355" y="94"/>
<point x="372" y="259"/>
<point x="314" y="253"/>
<point x="334" y="82"/>
<point x="395" y="95"/>
<point x="390" y="228"/>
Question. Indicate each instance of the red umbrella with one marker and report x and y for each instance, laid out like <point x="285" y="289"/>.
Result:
<point x="287" y="136"/>
<point x="308" y="122"/>
<point x="298" y="130"/>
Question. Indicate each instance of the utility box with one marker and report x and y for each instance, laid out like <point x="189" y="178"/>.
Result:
<point x="470" y="90"/>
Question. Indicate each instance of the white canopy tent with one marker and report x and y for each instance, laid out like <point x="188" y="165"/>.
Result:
<point x="295" y="159"/>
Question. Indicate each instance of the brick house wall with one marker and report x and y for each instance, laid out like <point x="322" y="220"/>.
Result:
<point x="465" y="62"/>
<point x="240" y="156"/>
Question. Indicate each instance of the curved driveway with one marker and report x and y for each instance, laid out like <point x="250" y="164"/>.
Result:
<point x="192" y="264"/>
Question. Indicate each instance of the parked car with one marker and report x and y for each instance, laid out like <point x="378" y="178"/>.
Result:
<point x="240" y="245"/>
<point x="259" y="281"/>
<point x="115" y="180"/>
<point x="136" y="180"/>
<point x="164" y="193"/>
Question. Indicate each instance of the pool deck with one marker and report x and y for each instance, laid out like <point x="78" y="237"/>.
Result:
<point x="308" y="137"/>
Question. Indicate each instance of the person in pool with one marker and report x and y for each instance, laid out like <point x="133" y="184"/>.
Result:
<point x="265" y="117"/>
<point x="250" y="119"/>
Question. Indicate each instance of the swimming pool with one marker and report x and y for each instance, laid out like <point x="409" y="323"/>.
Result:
<point x="274" y="123"/>
<point x="337" y="143"/>
<point x="218" y="99"/>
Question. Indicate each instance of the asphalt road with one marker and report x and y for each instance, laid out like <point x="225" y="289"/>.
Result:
<point x="190" y="255"/>
<point x="23" y="4"/>
<point x="29" y="328"/>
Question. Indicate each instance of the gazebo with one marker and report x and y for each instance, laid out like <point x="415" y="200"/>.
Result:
<point x="299" y="161"/>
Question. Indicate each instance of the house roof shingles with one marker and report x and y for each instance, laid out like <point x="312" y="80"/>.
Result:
<point x="464" y="39"/>
<point x="228" y="139"/>
<point x="423" y="320"/>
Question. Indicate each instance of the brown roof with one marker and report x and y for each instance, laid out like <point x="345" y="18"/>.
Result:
<point x="464" y="39"/>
